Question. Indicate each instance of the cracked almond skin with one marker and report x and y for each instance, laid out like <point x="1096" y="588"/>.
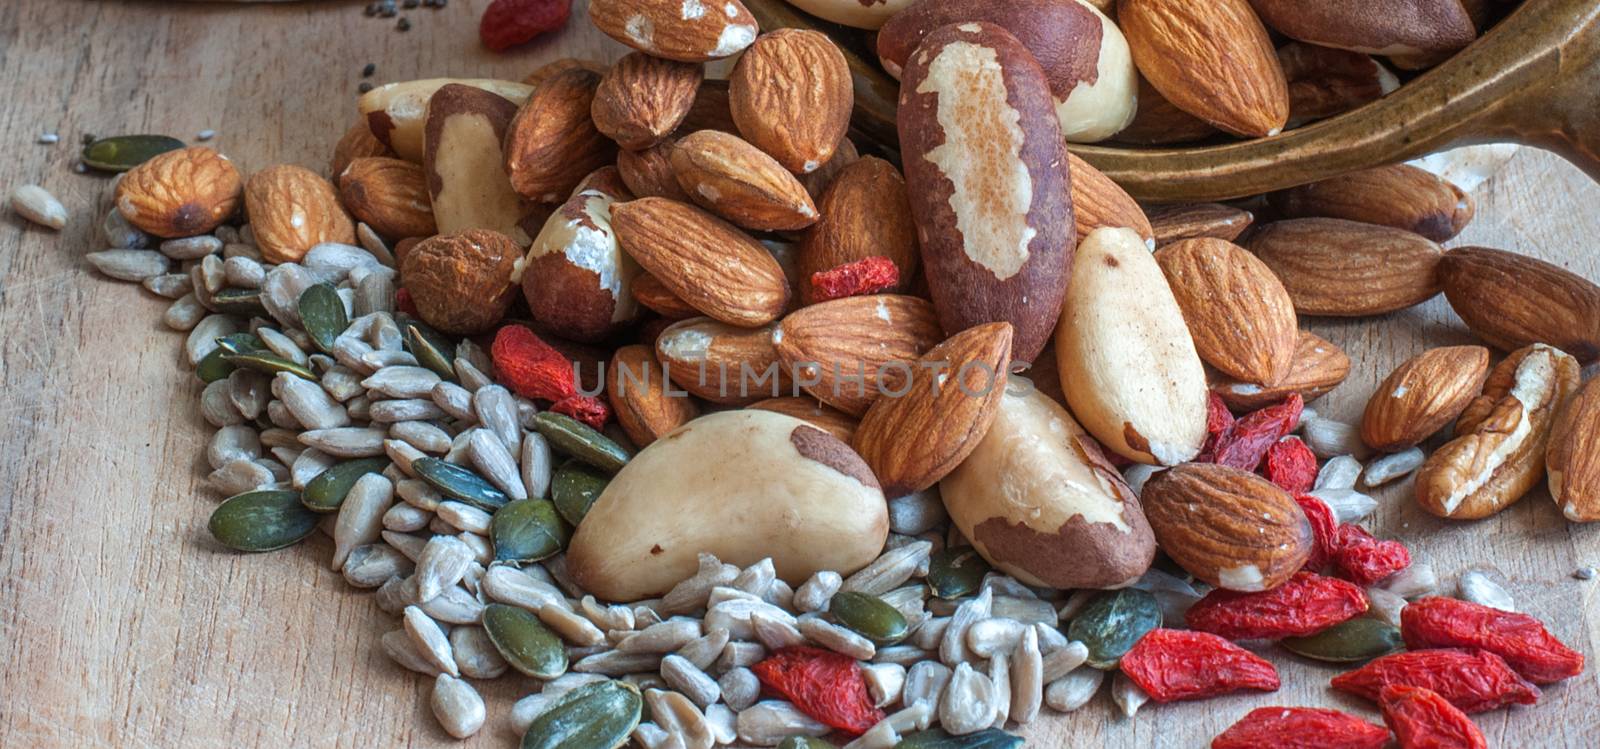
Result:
<point x="1417" y="27"/>
<point x="1498" y="455"/>
<point x="1572" y="461"/>
<point x="390" y="195"/>
<point x="1213" y="60"/>
<point x="914" y="440"/>
<point x="866" y="212"/>
<point x="988" y="177"/>
<point x="552" y="143"/>
<point x="1401" y="196"/>
<point x="1319" y="366"/>
<point x="461" y="283"/>
<point x="705" y="261"/>
<point x="670" y="29"/>
<point x="856" y="335"/>
<point x="737" y="181"/>
<point x="642" y="99"/>
<point x="791" y="96"/>
<point x="180" y="193"/>
<point x="293" y="209"/>
<point x="646" y="407"/>
<point x="1340" y="268"/>
<point x="1171" y="223"/>
<point x="1099" y="203"/>
<point x="1228" y="527"/>
<point x="1513" y="300"/>
<point x="1239" y="314"/>
<point x="1422" y="395"/>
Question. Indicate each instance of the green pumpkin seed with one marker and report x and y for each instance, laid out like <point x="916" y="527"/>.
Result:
<point x="956" y="572"/>
<point x="430" y="347"/>
<point x="1112" y="623"/>
<point x="214" y="366"/>
<point x="806" y="742"/>
<point x="524" y="641"/>
<point x="262" y="520"/>
<point x="595" y="716"/>
<point x="459" y="483"/>
<point x="322" y="314"/>
<point x="241" y="302"/>
<point x="241" y="343"/>
<point x="1348" y="642"/>
<point x="578" y="440"/>
<point x="528" y="530"/>
<point x="124" y="152"/>
<point x="870" y="616"/>
<point x="935" y="738"/>
<point x="262" y="361"/>
<point x="575" y="488"/>
<point x="327" y="491"/>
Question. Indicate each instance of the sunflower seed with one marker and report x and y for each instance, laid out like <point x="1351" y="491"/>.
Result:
<point x="374" y="244"/>
<point x="352" y="352"/>
<point x="1391" y="467"/>
<point x="1414" y="581"/>
<point x="1074" y="690"/>
<point x="1062" y="661"/>
<point x="36" y="204"/>
<point x="996" y="636"/>
<point x="411" y="546"/>
<point x="687" y="678"/>
<point x="931" y="633"/>
<point x="1476" y="586"/>
<point x="571" y="627"/>
<point x="249" y="392"/>
<point x="508" y="585"/>
<point x="404" y="518"/>
<point x="423" y="435"/>
<point x="210" y="275"/>
<point x="457" y="706"/>
<point x="403" y="455"/>
<point x="1348" y="505"/>
<point x="129" y="265"/>
<point x="281" y="291"/>
<point x="1128" y="696"/>
<point x="1328" y="439"/>
<point x="233" y="443"/>
<point x="814" y="593"/>
<point x="310" y="404"/>
<point x="171" y="286"/>
<point x="612" y="619"/>
<point x="401" y="649"/>
<point x="770" y="722"/>
<point x="341" y="383"/>
<point x="701" y="651"/>
<point x="470" y="375"/>
<point x="456" y="605"/>
<point x="411" y="409"/>
<point x="239" y="476"/>
<point x="402" y="382"/>
<point x="361" y="515"/>
<point x="968" y="705"/>
<point x="311" y="463"/>
<point x="337" y="259"/>
<point x="241" y="250"/>
<point x="215" y="406"/>
<point x="443" y="562"/>
<point x="375" y="293"/>
<point x="1027" y="678"/>
<point x="885" y="682"/>
<point x="345" y="442"/>
<point x="371" y="565"/>
<point x="203" y="338"/>
<point x="691" y="594"/>
<point x="1000" y="680"/>
<point x="496" y="411"/>
<point x="925" y="683"/>
<point x="953" y="648"/>
<point x="916" y="513"/>
<point x="738" y="654"/>
<point x="418" y="494"/>
<point x="1385" y="606"/>
<point x="723" y="724"/>
<point x="617" y="663"/>
<point x="121" y="235"/>
<point x="429" y="639"/>
<point x="492" y="458"/>
<point x="465" y="517"/>
<point x="243" y="273"/>
<point x="837" y="639"/>
<point x="1027" y="610"/>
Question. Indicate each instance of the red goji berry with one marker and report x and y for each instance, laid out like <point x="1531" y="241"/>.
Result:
<point x="1473" y="680"/>
<point x="507" y="23"/>
<point x="1520" y="639"/>
<point x="1308" y="603"/>
<point x="1421" y="719"/>
<point x="1245" y="444"/>
<point x="1323" y="527"/>
<point x="1175" y="664"/>
<point x="866" y="276"/>
<point x="1365" y="559"/>
<point x="823" y="684"/>
<point x="534" y="369"/>
<point x="403" y="301"/>
<point x="1301" y="728"/>
<point x="1291" y="465"/>
<point x="1218" y="421"/>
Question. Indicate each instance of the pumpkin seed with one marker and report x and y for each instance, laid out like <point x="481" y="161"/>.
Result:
<point x="528" y="530"/>
<point x="575" y="488"/>
<point x="806" y="742"/>
<point x="956" y="572"/>
<point x="935" y="738"/>
<point x="262" y="361"/>
<point x="870" y="616"/>
<point x="322" y="314"/>
<point x="596" y="716"/>
<point x="214" y="366"/>
<point x="327" y="491"/>
<point x="430" y="347"/>
<point x="580" y="441"/>
<point x="124" y="152"/>
<point x="241" y="343"/>
<point x="459" y="483"/>
<point x="1113" y="622"/>
<point x="262" y="521"/>
<point x="242" y="302"/>
<point x="524" y="641"/>
<point x="1352" y="641"/>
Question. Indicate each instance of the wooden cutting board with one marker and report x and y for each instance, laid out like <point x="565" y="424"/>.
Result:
<point x="122" y="625"/>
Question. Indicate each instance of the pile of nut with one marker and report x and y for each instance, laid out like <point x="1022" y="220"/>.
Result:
<point x="924" y="546"/>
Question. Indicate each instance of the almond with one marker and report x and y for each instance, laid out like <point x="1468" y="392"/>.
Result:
<point x="949" y="402"/>
<point x="1422" y="395"/>
<point x="1099" y="203"/>
<point x="641" y="395"/>
<point x="357" y="142"/>
<point x="722" y="363"/>
<point x="703" y="260"/>
<point x="1498" y="455"/>
<point x="1573" y="458"/>
<point x="677" y="29"/>
<point x="1513" y="300"/>
<point x="1213" y="60"/>
<point x="1344" y="268"/>
<point x="467" y="179"/>
<point x="1411" y="28"/>
<point x="1401" y="196"/>
<point x="461" y="283"/>
<point x="735" y="180"/>
<point x="837" y="423"/>
<point x="711" y="109"/>
<point x="1129" y="368"/>
<point x="1324" y="82"/>
<point x="818" y="182"/>
<point x="989" y="191"/>
<point x="552" y="144"/>
<point x="866" y="212"/>
<point x="293" y="209"/>
<point x="1319" y="366"/>
<point x="180" y="193"/>
<point x="642" y="99"/>
<point x="1159" y="122"/>
<point x="396" y="113"/>
<point x="791" y="95"/>
<point x="849" y="351"/>
<point x="648" y="173"/>
<point x="576" y="277"/>
<point x="1239" y="314"/>
<point x="390" y="195"/>
<point x="1171" y="223"/>
<point x="653" y="295"/>
<point x="1227" y="527"/>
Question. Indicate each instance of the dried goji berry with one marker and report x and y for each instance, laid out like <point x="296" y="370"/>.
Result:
<point x="1520" y="639"/>
<point x="1323" y="527"/>
<point x="534" y="369"/>
<point x="1245" y="444"/>
<point x="1175" y="664"/>
<point x="1218" y="421"/>
<point x="866" y="276"/>
<point x="1473" y="680"/>
<point x="403" y="301"/>
<point x="1300" y="728"/>
<point x="507" y="23"/>
<point x="1421" y="719"/>
<point x="1365" y="559"/>
<point x="823" y="684"/>
<point x="1308" y="603"/>
<point x="1291" y="465"/>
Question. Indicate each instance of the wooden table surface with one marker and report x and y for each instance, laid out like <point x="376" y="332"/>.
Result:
<point x="123" y="625"/>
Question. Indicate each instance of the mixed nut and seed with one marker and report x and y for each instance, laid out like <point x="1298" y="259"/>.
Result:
<point x="504" y="358"/>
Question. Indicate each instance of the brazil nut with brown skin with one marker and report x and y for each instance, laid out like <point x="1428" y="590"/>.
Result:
<point x="987" y="171"/>
<point x="576" y="277"/>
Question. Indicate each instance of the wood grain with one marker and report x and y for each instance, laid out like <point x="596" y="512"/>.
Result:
<point x="123" y="625"/>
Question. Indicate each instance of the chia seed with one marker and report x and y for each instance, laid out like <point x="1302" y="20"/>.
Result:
<point x="404" y="24"/>
<point x="88" y="138"/>
<point x="409" y="4"/>
<point x="364" y="87"/>
<point x="367" y="71"/>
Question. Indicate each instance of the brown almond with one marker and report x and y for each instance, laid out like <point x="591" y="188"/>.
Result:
<point x="722" y="363"/>
<point x="543" y="72"/>
<point x="1227" y="527"/>
<point x="552" y="144"/>
<point x="1513" y="300"/>
<point x="1573" y="458"/>
<point x="866" y="212"/>
<point x="653" y="295"/>
<point x="1401" y="196"/>
<point x="847" y="352"/>
<point x="837" y="423"/>
<point x="1213" y="60"/>
<point x="642" y="99"/>
<point x="646" y="405"/>
<point x="1239" y="314"/>
<point x="818" y="182"/>
<point x="737" y="181"/>
<point x="1319" y="366"/>
<point x="1344" y="268"/>
<point x="703" y="260"/>
<point x="1179" y="221"/>
<point x="1160" y="122"/>
<point x="180" y="193"/>
<point x="357" y="142"/>
<point x="711" y="109"/>
<point x="1422" y="395"/>
<point x="293" y="209"/>
<point x="389" y="195"/>
<point x="648" y="173"/>
<point x="677" y="30"/>
<point x="791" y="95"/>
<point x="1098" y="202"/>
<point x="1324" y="82"/>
